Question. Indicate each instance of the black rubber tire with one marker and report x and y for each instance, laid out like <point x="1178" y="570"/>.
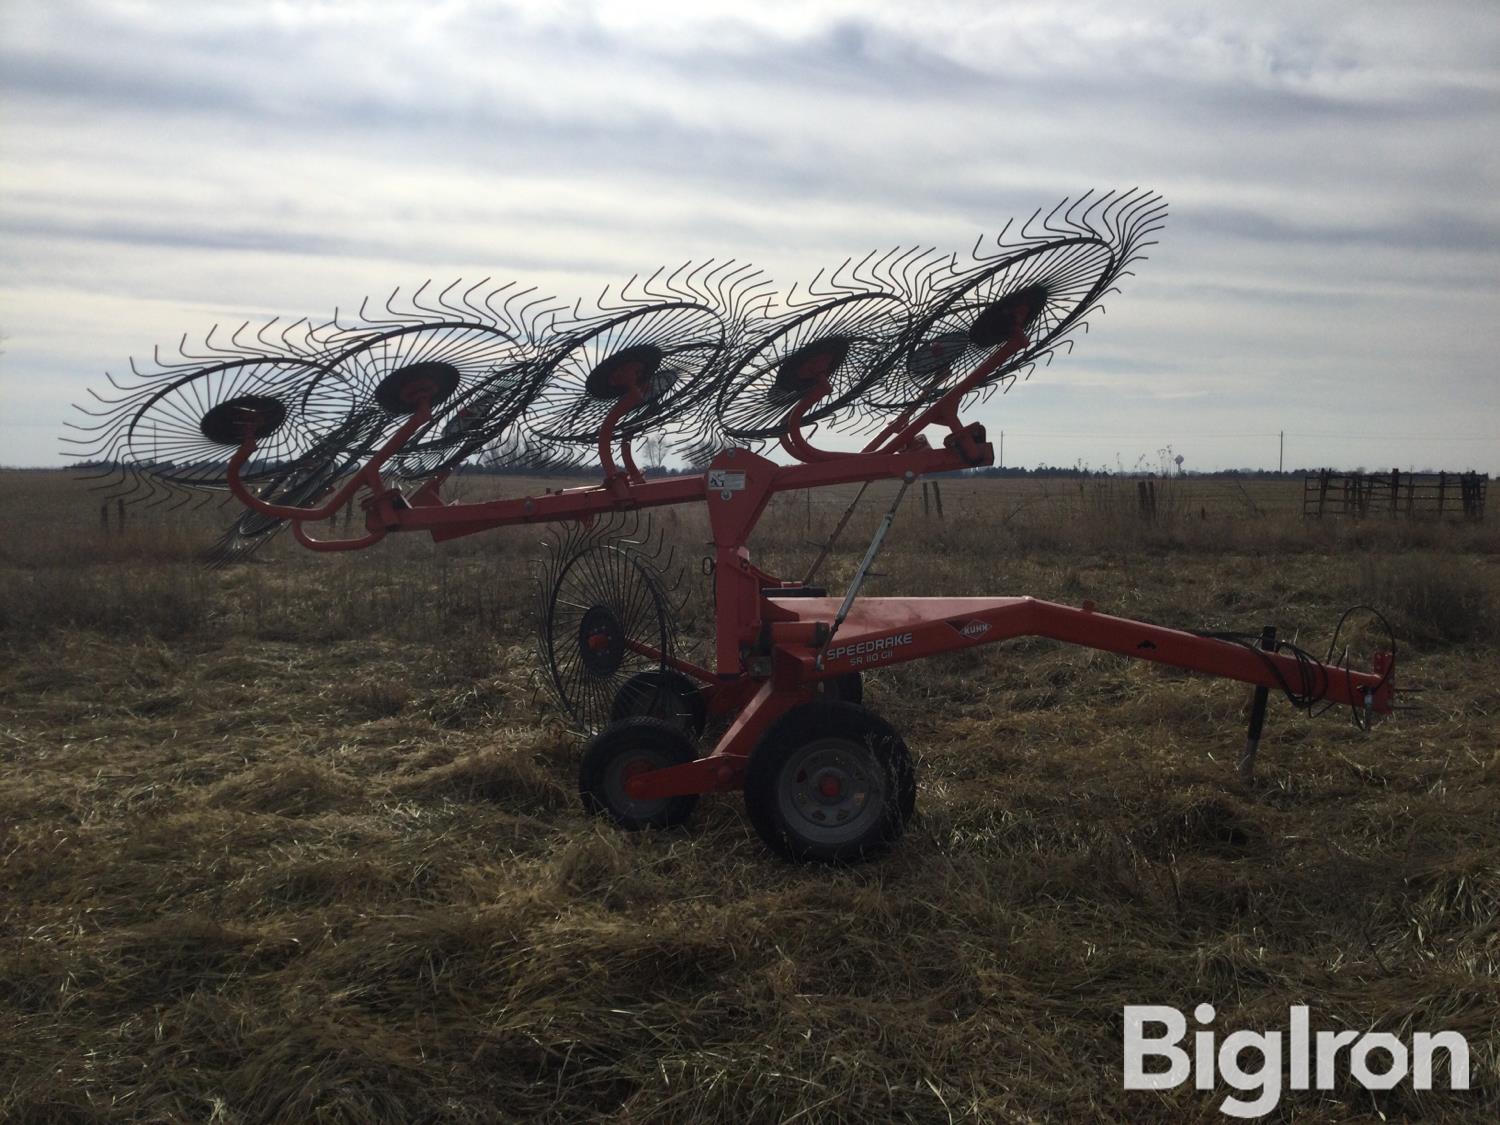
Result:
<point x="640" y="742"/>
<point x="848" y="688"/>
<point x="662" y="693"/>
<point x="854" y="750"/>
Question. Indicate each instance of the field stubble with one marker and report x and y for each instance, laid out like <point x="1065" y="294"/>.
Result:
<point x="298" y="839"/>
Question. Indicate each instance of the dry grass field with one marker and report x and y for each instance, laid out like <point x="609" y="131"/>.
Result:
<point x="299" y="840"/>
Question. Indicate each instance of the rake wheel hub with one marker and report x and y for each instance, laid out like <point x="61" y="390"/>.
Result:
<point x="937" y="353"/>
<point x="226" y="423"/>
<point x="614" y="376"/>
<point x="601" y="641"/>
<point x="1017" y="310"/>
<point x="811" y="362"/>
<point x="405" y="389"/>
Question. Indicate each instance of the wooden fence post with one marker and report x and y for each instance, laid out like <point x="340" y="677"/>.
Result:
<point x="1471" y="496"/>
<point x="1145" y="496"/>
<point x="926" y="509"/>
<point x="937" y="496"/>
<point x="120" y="512"/>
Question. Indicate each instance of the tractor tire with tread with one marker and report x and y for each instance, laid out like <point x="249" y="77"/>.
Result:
<point x="662" y="693"/>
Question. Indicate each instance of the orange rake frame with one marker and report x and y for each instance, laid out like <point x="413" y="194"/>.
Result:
<point x="776" y="640"/>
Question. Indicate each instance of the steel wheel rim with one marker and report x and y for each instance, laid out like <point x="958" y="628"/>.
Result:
<point x="831" y="790"/>
<point x="618" y="774"/>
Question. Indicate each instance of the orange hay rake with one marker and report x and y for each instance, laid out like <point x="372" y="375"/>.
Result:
<point x="895" y="348"/>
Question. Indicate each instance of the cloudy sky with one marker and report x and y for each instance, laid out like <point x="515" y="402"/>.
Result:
<point x="1330" y="269"/>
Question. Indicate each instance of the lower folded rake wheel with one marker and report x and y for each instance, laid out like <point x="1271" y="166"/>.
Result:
<point x="605" y="623"/>
<point x="303" y="486"/>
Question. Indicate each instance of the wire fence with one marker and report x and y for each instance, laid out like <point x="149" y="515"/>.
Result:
<point x="1396" y="494"/>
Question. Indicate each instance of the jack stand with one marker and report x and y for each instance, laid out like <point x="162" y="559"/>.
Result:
<point x="1257" y="713"/>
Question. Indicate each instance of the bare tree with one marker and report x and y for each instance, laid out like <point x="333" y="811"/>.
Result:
<point x="655" y="448"/>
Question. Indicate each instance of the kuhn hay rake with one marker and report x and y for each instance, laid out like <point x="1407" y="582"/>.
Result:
<point x="708" y="362"/>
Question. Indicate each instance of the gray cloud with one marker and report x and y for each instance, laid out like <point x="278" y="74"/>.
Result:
<point x="1451" y="232"/>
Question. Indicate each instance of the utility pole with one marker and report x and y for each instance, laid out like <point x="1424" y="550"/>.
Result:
<point x="1281" y="457"/>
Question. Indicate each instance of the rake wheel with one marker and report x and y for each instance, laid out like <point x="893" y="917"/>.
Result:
<point x="253" y="530"/>
<point x="605" y="620"/>
<point x="395" y="367"/>
<point x="183" y="432"/>
<point x="1045" y="283"/>
<point x="842" y="341"/>
<point x="468" y="422"/>
<point x="668" y="348"/>
<point x="1043" y="290"/>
